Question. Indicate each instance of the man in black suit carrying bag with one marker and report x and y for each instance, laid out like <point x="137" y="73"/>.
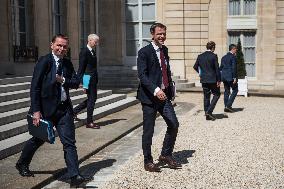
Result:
<point x="228" y="70"/>
<point x="52" y="77"/>
<point x="155" y="96"/>
<point x="88" y="66"/>
<point x="207" y="67"/>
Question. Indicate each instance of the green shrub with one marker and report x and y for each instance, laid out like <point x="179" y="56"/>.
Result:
<point x="241" y="67"/>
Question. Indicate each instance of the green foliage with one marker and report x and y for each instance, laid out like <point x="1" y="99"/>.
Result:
<point x="241" y="67"/>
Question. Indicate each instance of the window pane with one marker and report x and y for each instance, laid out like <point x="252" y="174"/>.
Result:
<point x="21" y="3"/>
<point x="131" y="1"/>
<point x="146" y="42"/>
<point x="233" y="38"/>
<point x="234" y="7"/>
<point x="23" y="39"/>
<point x="132" y="31"/>
<point x="132" y="47"/>
<point x="249" y="39"/>
<point x="146" y="30"/>
<point x="250" y="69"/>
<point x="249" y="7"/>
<point x="57" y="24"/>
<point x="131" y="12"/>
<point x="249" y="54"/>
<point x="56" y="6"/>
<point x="148" y="11"/>
<point x="22" y="21"/>
<point x="148" y="1"/>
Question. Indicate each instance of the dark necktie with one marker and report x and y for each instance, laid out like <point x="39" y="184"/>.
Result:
<point x="164" y="69"/>
<point x="93" y="52"/>
<point x="59" y="67"/>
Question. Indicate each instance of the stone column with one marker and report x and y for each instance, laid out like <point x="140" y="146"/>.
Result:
<point x="110" y="24"/>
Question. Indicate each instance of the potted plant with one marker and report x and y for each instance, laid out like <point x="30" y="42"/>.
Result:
<point x="241" y="71"/>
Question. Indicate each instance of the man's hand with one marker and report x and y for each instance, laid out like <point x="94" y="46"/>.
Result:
<point x="235" y="81"/>
<point x="218" y="83"/>
<point x="36" y="118"/>
<point x="59" y="78"/>
<point x="161" y="95"/>
<point x="80" y="85"/>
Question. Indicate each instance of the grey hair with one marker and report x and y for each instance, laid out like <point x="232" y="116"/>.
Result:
<point x="93" y="36"/>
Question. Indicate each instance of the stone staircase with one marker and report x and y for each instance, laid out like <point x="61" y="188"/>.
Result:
<point x="15" y="102"/>
<point x="126" y="77"/>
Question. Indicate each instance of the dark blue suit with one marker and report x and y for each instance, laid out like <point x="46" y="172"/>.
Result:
<point x="208" y="68"/>
<point x="45" y="96"/>
<point x="150" y="75"/>
<point x="88" y="65"/>
<point x="228" y="70"/>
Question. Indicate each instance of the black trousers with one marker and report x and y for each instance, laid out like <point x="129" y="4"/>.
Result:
<point x="208" y="89"/>
<point x="89" y="103"/>
<point x="64" y="123"/>
<point x="149" y="116"/>
<point x="228" y="96"/>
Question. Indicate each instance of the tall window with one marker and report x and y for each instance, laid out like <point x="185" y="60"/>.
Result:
<point x="83" y="33"/>
<point x="57" y="12"/>
<point x="139" y="16"/>
<point x="19" y="22"/>
<point x="248" y="45"/>
<point x="242" y="7"/>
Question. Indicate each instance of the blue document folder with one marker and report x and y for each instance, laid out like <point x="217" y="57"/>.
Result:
<point x="86" y="81"/>
<point x="44" y="131"/>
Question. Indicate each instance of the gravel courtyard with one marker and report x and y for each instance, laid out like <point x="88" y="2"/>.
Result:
<point x="239" y="150"/>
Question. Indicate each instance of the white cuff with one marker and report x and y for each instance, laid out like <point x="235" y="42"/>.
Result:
<point x="156" y="91"/>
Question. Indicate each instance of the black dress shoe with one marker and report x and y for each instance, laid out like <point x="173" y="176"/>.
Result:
<point x="24" y="170"/>
<point x="151" y="167"/>
<point x="173" y="164"/>
<point x="78" y="179"/>
<point x="229" y="109"/>
<point x="92" y="126"/>
<point x="210" y="117"/>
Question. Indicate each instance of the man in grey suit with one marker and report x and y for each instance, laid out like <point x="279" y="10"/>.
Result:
<point x="208" y="68"/>
<point x="228" y="70"/>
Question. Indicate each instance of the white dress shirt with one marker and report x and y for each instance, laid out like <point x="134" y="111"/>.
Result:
<point x="63" y="92"/>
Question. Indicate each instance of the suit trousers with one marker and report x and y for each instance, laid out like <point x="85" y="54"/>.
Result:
<point x="228" y="97"/>
<point x="208" y="89"/>
<point x="166" y="110"/>
<point x="89" y="103"/>
<point x="64" y="123"/>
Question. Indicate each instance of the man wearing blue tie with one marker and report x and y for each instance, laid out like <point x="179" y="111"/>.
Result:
<point x="228" y="70"/>
<point x="53" y="76"/>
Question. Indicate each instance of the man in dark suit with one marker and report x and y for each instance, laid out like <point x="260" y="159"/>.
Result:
<point x="52" y="77"/>
<point x="207" y="67"/>
<point x="155" y="96"/>
<point x="228" y="70"/>
<point x="88" y="66"/>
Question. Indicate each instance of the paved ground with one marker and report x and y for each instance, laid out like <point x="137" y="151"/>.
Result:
<point x="240" y="150"/>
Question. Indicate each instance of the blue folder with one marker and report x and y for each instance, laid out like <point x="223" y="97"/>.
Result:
<point x="44" y="131"/>
<point x="86" y="81"/>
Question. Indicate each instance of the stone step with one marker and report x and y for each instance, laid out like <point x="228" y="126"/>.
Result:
<point x="15" y="144"/>
<point x="20" y="126"/>
<point x="24" y="102"/>
<point x="14" y="87"/>
<point x="184" y="85"/>
<point x="175" y="77"/>
<point x="18" y="114"/>
<point x="14" y="95"/>
<point x="15" y="80"/>
<point x="181" y="80"/>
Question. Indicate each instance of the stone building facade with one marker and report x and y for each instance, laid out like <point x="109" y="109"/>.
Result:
<point x="123" y="25"/>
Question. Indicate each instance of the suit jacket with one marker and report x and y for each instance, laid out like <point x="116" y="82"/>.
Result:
<point x="150" y="73"/>
<point x="228" y="67"/>
<point x="207" y="64"/>
<point x="87" y="64"/>
<point x="45" y="92"/>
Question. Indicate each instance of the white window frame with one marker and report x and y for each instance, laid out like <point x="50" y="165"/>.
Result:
<point x="242" y="10"/>
<point x="131" y="60"/>
<point x="16" y="22"/>
<point x="243" y="46"/>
